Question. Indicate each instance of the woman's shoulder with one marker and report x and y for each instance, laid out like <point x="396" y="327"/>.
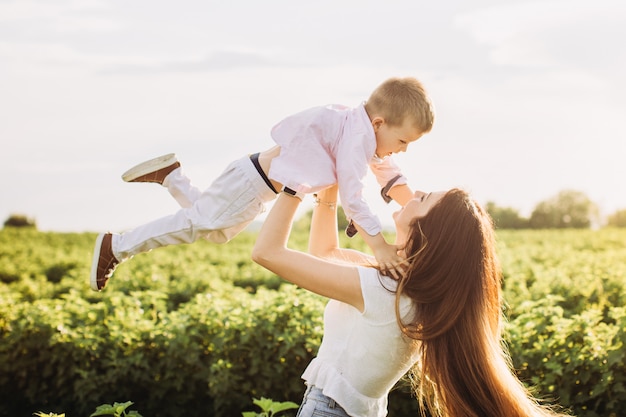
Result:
<point x="371" y="277"/>
<point x="379" y="295"/>
<point x="379" y="291"/>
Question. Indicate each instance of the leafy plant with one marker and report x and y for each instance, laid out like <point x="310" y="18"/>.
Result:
<point x="116" y="410"/>
<point x="202" y="328"/>
<point x="269" y="408"/>
<point x="20" y="220"/>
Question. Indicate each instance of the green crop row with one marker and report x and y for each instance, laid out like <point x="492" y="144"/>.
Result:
<point x="200" y="330"/>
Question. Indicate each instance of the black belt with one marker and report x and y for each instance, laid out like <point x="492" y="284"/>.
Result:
<point x="255" y="161"/>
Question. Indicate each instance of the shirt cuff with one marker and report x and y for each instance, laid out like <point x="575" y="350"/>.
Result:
<point x="387" y="187"/>
<point x="351" y="229"/>
<point x="293" y="193"/>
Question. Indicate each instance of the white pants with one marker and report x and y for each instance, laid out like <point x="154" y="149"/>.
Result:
<point x="217" y="214"/>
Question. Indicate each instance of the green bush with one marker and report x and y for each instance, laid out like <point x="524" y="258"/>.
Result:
<point x="617" y="219"/>
<point x="20" y="220"/>
<point x="578" y="360"/>
<point x="216" y="352"/>
<point x="200" y="330"/>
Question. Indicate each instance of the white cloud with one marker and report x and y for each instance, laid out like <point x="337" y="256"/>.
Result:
<point x="496" y="24"/>
<point x="59" y="16"/>
<point x="50" y="9"/>
<point x="549" y="33"/>
<point x="220" y="60"/>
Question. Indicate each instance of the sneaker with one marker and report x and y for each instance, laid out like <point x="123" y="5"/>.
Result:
<point x="104" y="262"/>
<point x="154" y="170"/>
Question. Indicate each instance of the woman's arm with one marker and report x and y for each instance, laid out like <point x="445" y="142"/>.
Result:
<point x="329" y="279"/>
<point x="324" y="240"/>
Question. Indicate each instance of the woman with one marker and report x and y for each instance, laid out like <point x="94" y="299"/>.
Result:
<point x="441" y="319"/>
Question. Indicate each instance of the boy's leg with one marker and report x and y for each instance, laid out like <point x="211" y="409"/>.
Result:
<point x="103" y="263"/>
<point x="153" y="170"/>
<point x="112" y="249"/>
<point x="223" y="210"/>
<point x="181" y="188"/>
<point x="175" y="229"/>
<point x="166" y="171"/>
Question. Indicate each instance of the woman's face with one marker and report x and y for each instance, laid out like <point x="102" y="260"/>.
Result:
<point x="417" y="207"/>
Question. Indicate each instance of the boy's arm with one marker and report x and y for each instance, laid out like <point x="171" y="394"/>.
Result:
<point x="401" y="194"/>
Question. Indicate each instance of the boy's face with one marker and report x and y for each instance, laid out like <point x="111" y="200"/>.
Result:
<point x="393" y="139"/>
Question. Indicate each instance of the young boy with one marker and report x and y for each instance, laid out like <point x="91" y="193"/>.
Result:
<point x="314" y="149"/>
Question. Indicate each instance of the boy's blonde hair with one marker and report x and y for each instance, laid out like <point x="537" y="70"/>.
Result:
<point x="397" y="99"/>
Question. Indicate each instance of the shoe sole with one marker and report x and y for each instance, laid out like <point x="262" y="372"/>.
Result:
<point x="149" y="166"/>
<point x="94" y="264"/>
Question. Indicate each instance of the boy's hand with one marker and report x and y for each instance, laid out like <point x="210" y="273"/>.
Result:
<point x="389" y="262"/>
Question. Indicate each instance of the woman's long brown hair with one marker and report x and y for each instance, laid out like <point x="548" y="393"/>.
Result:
<point x="454" y="280"/>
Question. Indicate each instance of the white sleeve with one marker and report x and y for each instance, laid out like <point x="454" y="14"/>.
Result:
<point x="385" y="169"/>
<point x="352" y="162"/>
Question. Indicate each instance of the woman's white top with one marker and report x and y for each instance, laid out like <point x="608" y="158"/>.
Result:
<point x="363" y="354"/>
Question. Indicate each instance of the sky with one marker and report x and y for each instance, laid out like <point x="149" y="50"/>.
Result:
<point x="530" y="96"/>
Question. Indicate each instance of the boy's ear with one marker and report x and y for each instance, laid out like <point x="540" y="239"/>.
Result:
<point x="377" y="122"/>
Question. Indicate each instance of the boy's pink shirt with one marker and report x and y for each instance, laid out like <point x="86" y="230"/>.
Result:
<point x="332" y="144"/>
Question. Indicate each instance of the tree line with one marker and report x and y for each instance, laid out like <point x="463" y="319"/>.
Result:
<point x="569" y="209"/>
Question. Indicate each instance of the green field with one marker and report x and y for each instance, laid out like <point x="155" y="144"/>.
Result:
<point x="200" y="330"/>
